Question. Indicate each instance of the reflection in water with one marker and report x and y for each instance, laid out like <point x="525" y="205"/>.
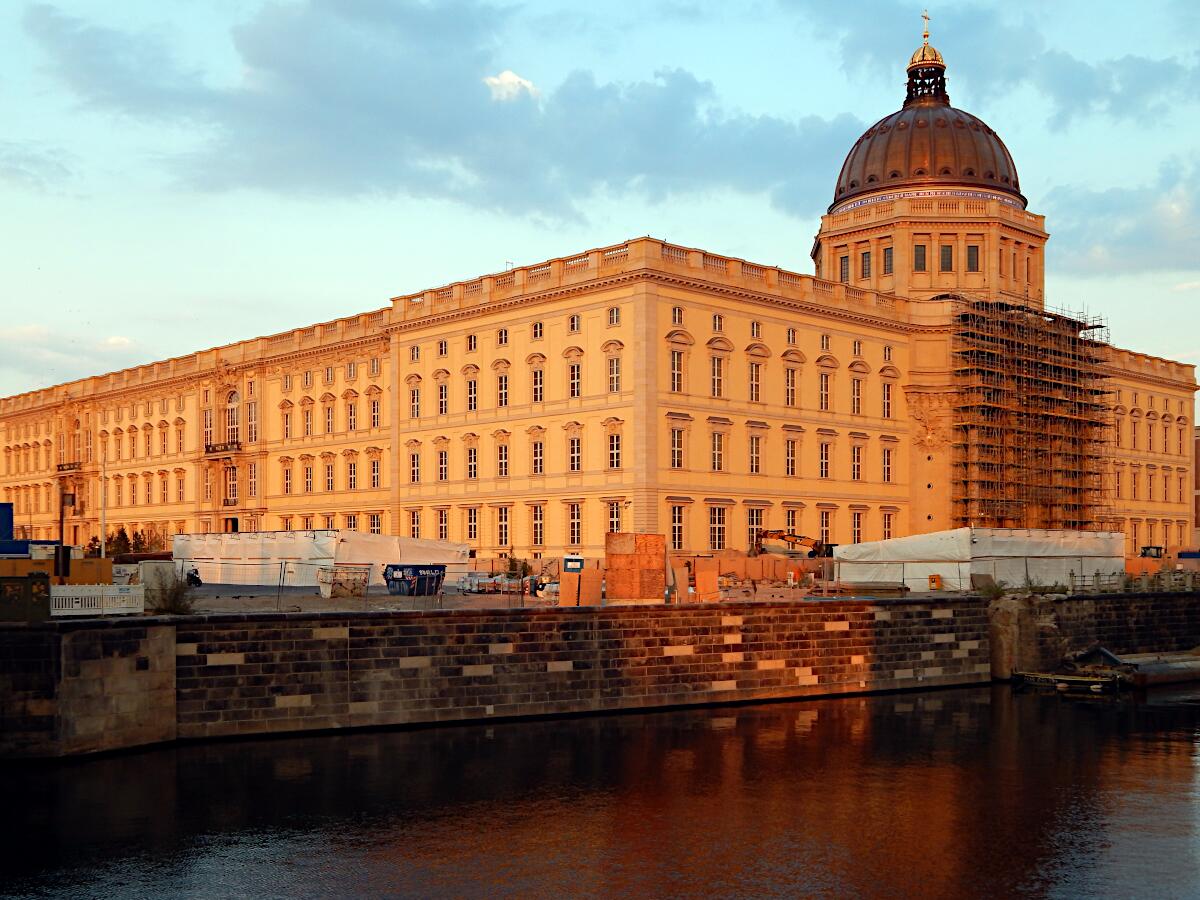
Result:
<point x="956" y="793"/>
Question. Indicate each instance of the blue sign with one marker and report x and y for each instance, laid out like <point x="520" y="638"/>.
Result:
<point x="572" y="563"/>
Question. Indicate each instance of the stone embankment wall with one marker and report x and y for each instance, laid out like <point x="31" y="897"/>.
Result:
<point x="239" y="675"/>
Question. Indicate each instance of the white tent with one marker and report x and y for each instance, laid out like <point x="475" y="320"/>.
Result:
<point x="1015" y="556"/>
<point x="266" y="557"/>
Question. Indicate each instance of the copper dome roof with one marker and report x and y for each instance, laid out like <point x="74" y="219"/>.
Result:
<point x="927" y="143"/>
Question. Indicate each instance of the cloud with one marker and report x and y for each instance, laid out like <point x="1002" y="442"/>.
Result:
<point x="508" y="85"/>
<point x="368" y="97"/>
<point x="34" y="355"/>
<point x="29" y="165"/>
<point x="1186" y="286"/>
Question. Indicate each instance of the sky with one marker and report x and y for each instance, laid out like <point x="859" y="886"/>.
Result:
<point x="179" y="175"/>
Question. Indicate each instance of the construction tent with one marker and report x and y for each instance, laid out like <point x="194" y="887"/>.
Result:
<point x="1015" y="556"/>
<point x="293" y="557"/>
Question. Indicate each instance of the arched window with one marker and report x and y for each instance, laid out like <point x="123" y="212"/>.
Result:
<point x="233" y="417"/>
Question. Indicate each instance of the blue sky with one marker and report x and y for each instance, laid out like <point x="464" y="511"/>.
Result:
<point x="178" y="175"/>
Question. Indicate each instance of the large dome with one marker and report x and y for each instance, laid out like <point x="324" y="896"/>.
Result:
<point x="927" y="143"/>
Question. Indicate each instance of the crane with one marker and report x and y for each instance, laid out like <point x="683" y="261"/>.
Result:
<point x="816" y="549"/>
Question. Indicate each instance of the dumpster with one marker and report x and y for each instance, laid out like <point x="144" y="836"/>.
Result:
<point x="414" y="581"/>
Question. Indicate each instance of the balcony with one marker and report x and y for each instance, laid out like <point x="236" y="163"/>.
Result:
<point x="69" y="466"/>
<point x="223" y="449"/>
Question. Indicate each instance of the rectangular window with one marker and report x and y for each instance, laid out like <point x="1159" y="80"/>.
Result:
<point x="287" y="426"/>
<point x="754" y="526"/>
<point x="677" y="528"/>
<point x="826" y="525"/>
<point x="306" y="379"/>
<point x="329" y="419"/>
<point x="755" y="454"/>
<point x="856" y="463"/>
<point x="856" y="523"/>
<point x="789" y="387"/>
<point x="472" y="395"/>
<point x="414" y="468"/>
<point x="414" y="403"/>
<point x="287" y="382"/>
<point x="537" y="331"/>
<point x="472" y="463"/>
<point x="614" y="451"/>
<point x="414" y="524"/>
<point x="823" y="460"/>
<point x="308" y="479"/>
<point x="887" y="525"/>
<point x="1135" y="478"/>
<point x="614" y="517"/>
<point x="887" y="260"/>
<point x="574" y="454"/>
<point x="502" y="461"/>
<point x="329" y="374"/>
<point x="443" y="465"/>
<point x="375" y="473"/>
<point x="718" y="323"/>
<point x="351" y="371"/>
<point x="614" y="315"/>
<point x="972" y="258"/>
<point x="755" y="385"/>
<point x="443" y="524"/>
<point x="1117" y="484"/>
<point x="789" y="457"/>
<point x="887" y="400"/>
<point x="716" y="528"/>
<point x="329" y="476"/>
<point x="501" y="390"/>
<point x="823" y="393"/>
<point x="537" y="520"/>
<point x="718" y="451"/>
<point x="351" y="522"/>
<point x="676" y="371"/>
<point x="502" y="536"/>
<point x="574" y="379"/>
<point x="308" y="421"/>
<point x="843" y="269"/>
<point x="287" y="481"/>
<point x="352" y="475"/>
<point x="574" y="524"/>
<point x="718" y="377"/>
<point x="538" y="456"/>
<point x="918" y="257"/>
<point x="856" y="385"/>
<point x="443" y="399"/>
<point x="251" y="481"/>
<point x="502" y="337"/>
<point x="614" y="374"/>
<point x="865" y="267"/>
<point x="887" y="465"/>
<point x="539" y="385"/>
<point x="473" y="524"/>
<point x="947" y="258"/>
<point x="472" y="342"/>
<point x="251" y="423"/>
<point x="179" y="488"/>
<point x="208" y="433"/>
<point x="789" y="520"/>
<point x="676" y="448"/>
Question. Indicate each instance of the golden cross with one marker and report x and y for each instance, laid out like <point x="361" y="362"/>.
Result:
<point x="925" y="16"/>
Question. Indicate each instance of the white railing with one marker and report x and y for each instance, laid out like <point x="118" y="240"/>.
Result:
<point x="97" y="599"/>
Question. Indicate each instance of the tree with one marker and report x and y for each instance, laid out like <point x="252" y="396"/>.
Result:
<point x="93" y="547"/>
<point x="139" y="542"/>
<point x="118" y="542"/>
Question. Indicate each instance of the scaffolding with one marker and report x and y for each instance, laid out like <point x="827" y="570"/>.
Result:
<point x="1032" y="418"/>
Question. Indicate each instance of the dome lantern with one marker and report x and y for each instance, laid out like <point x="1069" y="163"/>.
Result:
<point x="926" y="72"/>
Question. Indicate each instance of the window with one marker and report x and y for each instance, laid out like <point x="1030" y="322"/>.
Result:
<point x="823" y="396"/>
<point x="887" y="353"/>
<point x="287" y="481"/>
<point x="306" y="523"/>
<point x="972" y="258"/>
<point x="502" y="337"/>
<point x="502" y="460"/>
<point x="614" y="374"/>
<point x="414" y="523"/>
<point x="843" y="269"/>
<point x="918" y="257"/>
<point x="789" y="519"/>
<point x="789" y="457"/>
<point x="856" y="396"/>
<point x="856" y="522"/>
<point x="574" y="454"/>
<point x="287" y="382"/>
<point x="573" y="324"/>
<point x="826" y="525"/>
<point x="251" y="481"/>
<point x="755" y="454"/>
<point x="375" y="367"/>
<point x="501" y="390"/>
<point x="856" y="463"/>
<point x="251" y="424"/>
<point x="676" y="371"/>
<point x="443" y="524"/>
<point x="717" y="385"/>
<point x="472" y="342"/>
<point x="887" y="400"/>
<point x="1133" y="434"/>
<point x="208" y="435"/>
<point x="539" y="380"/>
<point x="537" y="331"/>
<point x="676" y="448"/>
<point x="718" y="323"/>
<point x="538" y="457"/>
<point x="307" y="416"/>
<point x="329" y="476"/>
<point x="789" y="387"/>
<point x="180" y="487"/>
<point x="754" y="526"/>
<point x="887" y="260"/>
<point x="677" y="315"/>
<point x="306" y="379"/>
<point x="443" y="465"/>
<point x="351" y="475"/>
<point x="374" y="523"/>
<point x="472" y="395"/>
<point x="677" y="528"/>
<point x="574" y="524"/>
<point x="756" y="329"/>
<point x="887" y="464"/>
<point x="888" y="518"/>
<point x="329" y="418"/>
<point x="574" y="379"/>
<point x="824" y="342"/>
<point x="946" y="263"/>
<point x="351" y="522"/>
<point x="718" y="451"/>
<point x="1117" y="484"/>
<point x="716" y="528"/>
<point x="375" y="473"/>
<point x="614" y="516"/>
<point x="755" y="371"/>
<point x="865" y="264"/>
<point x="351" y="371"/>
<point x="614" y="315"/>
<point x="502" y="536"/>
<point x="414" y="403"/>
<point x="414" y="468"/>
<point x="308" y="479"/>
<point x="443" y="399"/>
<point x="472" y="463"/>
<point x="1135" y="478"/>
<point x="473" y="524"/>
<point x="614" y="451"/>
<point x="823" y="459"/>
<point x="1149" y="437"/>
<point x="287" y="427"/>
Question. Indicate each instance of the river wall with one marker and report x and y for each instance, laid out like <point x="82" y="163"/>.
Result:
<point x="76" y="687"/>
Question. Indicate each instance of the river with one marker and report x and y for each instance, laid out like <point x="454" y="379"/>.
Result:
<point x="971" y="792"/>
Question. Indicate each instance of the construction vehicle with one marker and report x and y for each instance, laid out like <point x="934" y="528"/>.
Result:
<point x="1149" y="560"/>
<point x="816" y="549"/>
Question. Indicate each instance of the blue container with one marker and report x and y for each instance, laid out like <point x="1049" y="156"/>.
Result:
<point x="414" y="581"/>
<point x="6" y="521"/>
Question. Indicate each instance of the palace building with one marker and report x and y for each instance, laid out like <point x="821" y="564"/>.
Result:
<point x="918" y="382"/>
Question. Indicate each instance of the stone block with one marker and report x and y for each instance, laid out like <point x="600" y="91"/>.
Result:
<point x="560" y="665"/>
<point x="292" y="701"/>
<point x="722" y="685"/>
<point x="943" y="614"/>
<point x="332" y="633"/>
<point x="732" y="657"/>
<point x="225" y="659"/>
<point x="499" y="649"/>
<point x="478" y="670"/>
<point x="731" y="621"/>
<point x="679" y="650"/>
<point x="770" y="664"/>
<point x="837" y="626"/>
<point x="945" y="638"/>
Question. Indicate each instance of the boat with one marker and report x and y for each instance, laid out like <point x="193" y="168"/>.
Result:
<point x="1094" y="682"/>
